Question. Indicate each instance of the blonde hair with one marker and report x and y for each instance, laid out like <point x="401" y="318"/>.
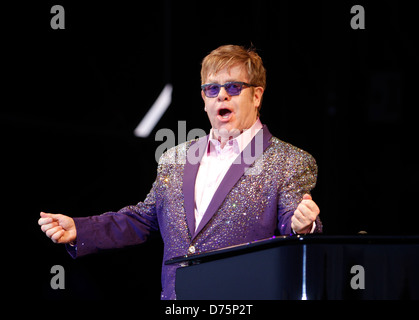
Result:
<point x="228" y="56"/>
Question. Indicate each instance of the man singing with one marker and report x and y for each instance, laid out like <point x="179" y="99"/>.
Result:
<point x="237" y="184"/>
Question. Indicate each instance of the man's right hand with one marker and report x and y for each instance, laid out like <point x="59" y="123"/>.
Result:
<point x="58" y="227"/>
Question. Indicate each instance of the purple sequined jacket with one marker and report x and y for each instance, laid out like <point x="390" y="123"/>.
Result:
<point x="255" y="200"/>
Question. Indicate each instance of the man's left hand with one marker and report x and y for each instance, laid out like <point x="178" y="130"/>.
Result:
<point x="304" y="216"/>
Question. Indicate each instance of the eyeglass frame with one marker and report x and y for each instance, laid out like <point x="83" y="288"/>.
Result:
<point x="226" y="84"/>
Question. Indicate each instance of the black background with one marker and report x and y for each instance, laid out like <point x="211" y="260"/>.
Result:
<point x="72" y="99"/>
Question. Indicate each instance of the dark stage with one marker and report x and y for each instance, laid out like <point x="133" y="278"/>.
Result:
<point x="74" y="96"/>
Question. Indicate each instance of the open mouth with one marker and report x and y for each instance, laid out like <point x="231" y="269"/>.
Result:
<point x="224" y="113"/>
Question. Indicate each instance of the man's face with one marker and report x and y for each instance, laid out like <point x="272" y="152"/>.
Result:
<point x="227" y="112"/>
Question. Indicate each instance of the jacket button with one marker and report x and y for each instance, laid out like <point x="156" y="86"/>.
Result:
<point x="191" y="249"/>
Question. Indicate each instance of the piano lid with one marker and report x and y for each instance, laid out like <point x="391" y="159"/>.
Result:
<point x="195" y="258"/>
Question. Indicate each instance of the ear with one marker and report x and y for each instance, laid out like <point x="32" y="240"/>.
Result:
<point x="257" y="96"/>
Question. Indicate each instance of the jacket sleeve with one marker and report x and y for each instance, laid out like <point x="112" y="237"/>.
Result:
<point x="129" y="226"/>
<point x="300" y="178"/>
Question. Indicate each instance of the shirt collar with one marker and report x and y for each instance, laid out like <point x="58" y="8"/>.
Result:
<point x="237" y="144"/>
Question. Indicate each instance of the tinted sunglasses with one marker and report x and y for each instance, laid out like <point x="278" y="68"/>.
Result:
<point x="233" y="88"/>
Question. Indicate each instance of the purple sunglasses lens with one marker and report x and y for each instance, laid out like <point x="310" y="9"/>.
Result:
<point x="212" y="90"/>
<point x="233" y="89"/>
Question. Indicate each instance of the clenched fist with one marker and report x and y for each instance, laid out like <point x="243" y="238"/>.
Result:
<point x="305" y="214"/>
<point x="58" y="227"/>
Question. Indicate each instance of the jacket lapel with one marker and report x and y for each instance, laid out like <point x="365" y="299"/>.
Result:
<point x="193" y="159"/>
<point x="236" y="170"/>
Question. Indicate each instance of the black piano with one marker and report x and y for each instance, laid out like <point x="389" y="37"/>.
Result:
<point x="311" y="267"/>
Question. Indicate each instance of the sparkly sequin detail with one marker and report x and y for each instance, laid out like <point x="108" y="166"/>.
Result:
<point x="259" y="206"/>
